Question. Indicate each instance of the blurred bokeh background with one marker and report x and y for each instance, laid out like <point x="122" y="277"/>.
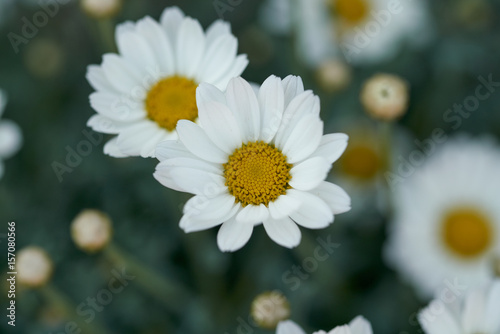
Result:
<point x="44" y="78"/>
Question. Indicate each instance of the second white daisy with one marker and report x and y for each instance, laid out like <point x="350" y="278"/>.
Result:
<point x="142" y="92"/>
<point x="255" y="159"/>
<point x="358" y="325"/>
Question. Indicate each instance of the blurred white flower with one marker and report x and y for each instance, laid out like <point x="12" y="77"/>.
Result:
<point x="446" y="224"/>
<point x="142" y="92"/>
<point x="476" y="312"/>
<point x="255" y="159"/>
<point x="34" y="267"/>
<point x="358" y="325"/>
<point x="101" y="8"/>
<point x="10" y="135"/>
<point x="363" y="31"/>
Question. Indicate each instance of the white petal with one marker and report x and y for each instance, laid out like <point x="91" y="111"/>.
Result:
<point x="493" y="308"/>
<point x="252" y="214"/>
<point x="134" y="139"/>
<point x="107" y="125"/>
<point x="114" y="107"/>
<point x="202" y="213"/>
<point x="111" y="148"/>
<point x="236" y="69"/>
<point x="474" y="311"/>
<point x="436" y="319"/>
<point x="169" y="149"/>
<point x="171" y="19"/>
<point x="159" y="43"/>
<point x="194" y="163"/>
<point x="133" y="48"/>
<point x="283" y="206"/>
<point x="194" y="181"/>
<point x="122" y="75"/>
<point x="313" y="212"/>
<point x="217" y="29"/>
<point x="272" y="105"/>
<point x="304" y="139"/>
<point x="360" y="325"/>
<point x="303" y="104"/>
<point x="309" y="174"/>
<point x="11" y="139"/>
<point x="190" y="47"/>
<point x="209" y="93"/>
<point x="292" y="86"/>
<point x="198" y="143"/>
<point x="289" y="327"/>
<point x="233" y="235"/>
<point x="283" y="231"/>
<point x="332" y="146"/>
<point x="341" y="330"/>
<point x="336" y="198"/>
<point x="244" y="105"/>
<point x="97" y="79"/>
<point x="220" y="125"/>
<point x="217" y="59"/>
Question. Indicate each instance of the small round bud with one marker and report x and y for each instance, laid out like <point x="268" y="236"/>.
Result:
<point x="44" y="58"/>
<point x="34" y="267"/>
<point x="333" y="75"/>
<point x="269" y="308"/>
<point x="101" y="9"/>
<point x="385" y="97"/>
<point x="91" y="230"/>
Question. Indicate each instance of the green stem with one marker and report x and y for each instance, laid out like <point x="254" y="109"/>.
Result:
<point x="64" y="306"/>
<point x="172" y="294"/>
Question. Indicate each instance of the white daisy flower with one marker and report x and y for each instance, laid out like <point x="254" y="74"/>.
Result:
<point x="358" y="325"/>
<point x="447" y="219"/>
<point x="363" y="31"/>
<point x="478" y="312"/>
<point x="255" y="159"/>
<point x="143" y="91"/>
<point x="10" y="135"/>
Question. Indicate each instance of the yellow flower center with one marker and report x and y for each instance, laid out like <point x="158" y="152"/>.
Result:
<point x="257" y="173"/>
<point x="170" y="100"/>
<point x="361" y="162"/>
<point x="467" y="232"/>
<point x="351" y="11"/>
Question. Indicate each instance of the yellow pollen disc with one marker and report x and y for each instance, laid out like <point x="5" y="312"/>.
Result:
<point x="257" y="173"/>
<point x="361" y="162"/>
<point x="170" y="100"/>
<point x="352" y="11"/>
<point x="467" y="232"/>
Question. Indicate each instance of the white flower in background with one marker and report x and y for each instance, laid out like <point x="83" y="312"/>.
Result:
<point x="363" y="31"/>
<point x="476" y="312"/>
<point x="358" y="325"/>
<point x="10" y="135"/>
<point x="142" y="92"/>
<point x="255" y="159"/>
<point x="447" y="218"/>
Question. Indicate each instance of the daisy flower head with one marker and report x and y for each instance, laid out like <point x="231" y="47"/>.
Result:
<point x="358" y="325"/>
<point x="10" y="135"/>
<point x="255" y="158"/>
<point x="476" y="312"/>
<point x="447" y="219"/>
<point x="144" y="90"/>
<point x="361" y="31"/>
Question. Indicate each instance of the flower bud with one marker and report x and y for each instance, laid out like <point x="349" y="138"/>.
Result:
<point x="333" y="75"/>
<point x="269" y="308"/>
<point x="91" y="230"/>
<point x="34" y="267"/>
<point x="385" y="97"/>
<point x="101" y="9"/>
